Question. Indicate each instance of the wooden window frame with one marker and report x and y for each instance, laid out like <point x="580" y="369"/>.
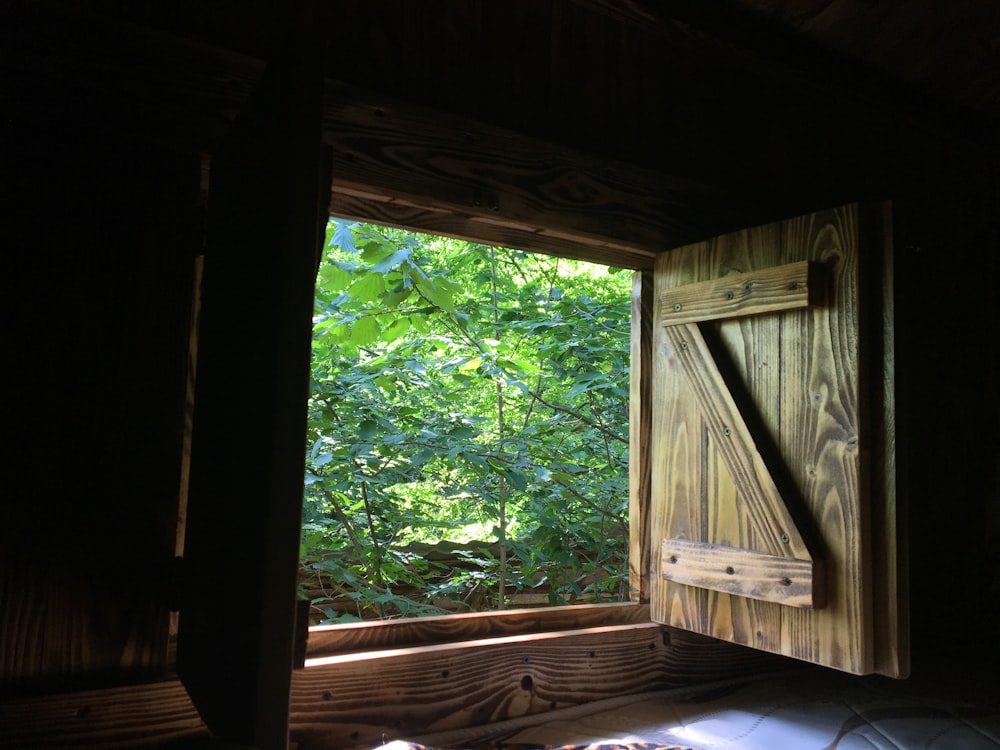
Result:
<point x="481" y="197"/>
<point x="328" y="641"/>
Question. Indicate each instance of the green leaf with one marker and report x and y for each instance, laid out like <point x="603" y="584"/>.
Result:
<point x="368" y="288"/>
<point x="436" y="295"/>
<point x="376" y="249"/>
<point x="367" y="430"/>
<point x="343" y="236"/>
<point x="391" y="261"/>
<point x="396" y="329"/>
<point x="333" y="277"/>
<point x="420" y="323"/>
<point x="365" y="331"/>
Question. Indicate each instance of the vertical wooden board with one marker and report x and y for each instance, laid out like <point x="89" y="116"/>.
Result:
<point x="890" y="594"/>
<point x="798" y="372"/>
<point x="819" y="439"/>
<point x="269" y="198"/>
<point x="640" y="389"/>
<point x="707" y="513"/>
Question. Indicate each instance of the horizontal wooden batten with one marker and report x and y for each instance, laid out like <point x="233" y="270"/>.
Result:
<point x="328" y="640"/>
<point x="787" y="287"/>
<point x="743" y="572"/>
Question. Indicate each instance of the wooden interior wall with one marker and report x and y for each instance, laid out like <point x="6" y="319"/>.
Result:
<point x="96" y="290"/>
<point x="948" y="391"/>
<point x="97" y="281"/>
<point x="662" y="95"/>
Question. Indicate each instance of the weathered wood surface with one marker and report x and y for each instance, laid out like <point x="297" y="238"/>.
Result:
<point x="503" y="184"/>
<point x="787" y="287"/>
<point x="147" y="715"/>
<point x="740" y="571"/>
<point x="800" y="372"/>
<point x="328" y="640"/>
<point x="357" y="699"/>
<point x="687" y="359"/>
<point x="891" y="574"/>
<point x="362" y="698"/>
<point x="640" y="422"/>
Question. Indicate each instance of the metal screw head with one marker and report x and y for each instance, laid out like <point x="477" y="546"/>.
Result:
<point x="677" y="307"/>
<point x="785" y="539"/>
<point x="726" y="431"/>
<point x="684" y="345"/>
<point x="786" y="581"/>
<point x="731" y="570"/>
<point x="729" y="295"/>
<point x="673" y="559"/>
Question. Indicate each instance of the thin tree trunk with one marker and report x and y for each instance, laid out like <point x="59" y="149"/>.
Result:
<point x="504" y="490"/>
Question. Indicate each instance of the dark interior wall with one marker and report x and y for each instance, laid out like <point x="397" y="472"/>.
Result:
<point x="97" y="284"/>
<point x="97" y="280"/>
<point x="948" y="390"/>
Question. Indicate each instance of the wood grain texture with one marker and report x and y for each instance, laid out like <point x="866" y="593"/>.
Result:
<point x="147" y="715"/>
<point x="788" y="287"/>
<point x="890" y="543"/>
<point x="738" y="571"/>
<point x="640" y="423"/>
<point x="358" y="699"/>
<point x="688" y="355"/>
<point x="800" y="373"/>
<point x="328" y="640"/>
<point x="464" y="225"/>
<point x="387" y="151"/>
<point x="364" y="698"/>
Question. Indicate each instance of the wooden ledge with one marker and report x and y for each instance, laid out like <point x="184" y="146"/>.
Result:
<point x="328" y="640"/>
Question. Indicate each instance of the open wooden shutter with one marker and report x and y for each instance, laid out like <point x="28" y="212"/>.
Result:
<point x="269" y="198"/>
<point x="773" y="507"/>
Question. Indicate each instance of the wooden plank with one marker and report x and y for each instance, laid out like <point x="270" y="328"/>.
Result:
<point x="788" y="287"/>
<point x="640" y="425"/>
<point x="358" y="700"/>
<point x="147" y="715"/>
<point x="463" y="225"/>
<point x="890" y="553"/>
<point x="391" y="151"/>
<point x="741" y="572"/>
<point x="326" y="640"/>
<point x="268" y="206"/>
<point x="685" y="346"/>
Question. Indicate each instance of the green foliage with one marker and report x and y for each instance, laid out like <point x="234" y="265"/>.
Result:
<point x="460" y="390"/>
